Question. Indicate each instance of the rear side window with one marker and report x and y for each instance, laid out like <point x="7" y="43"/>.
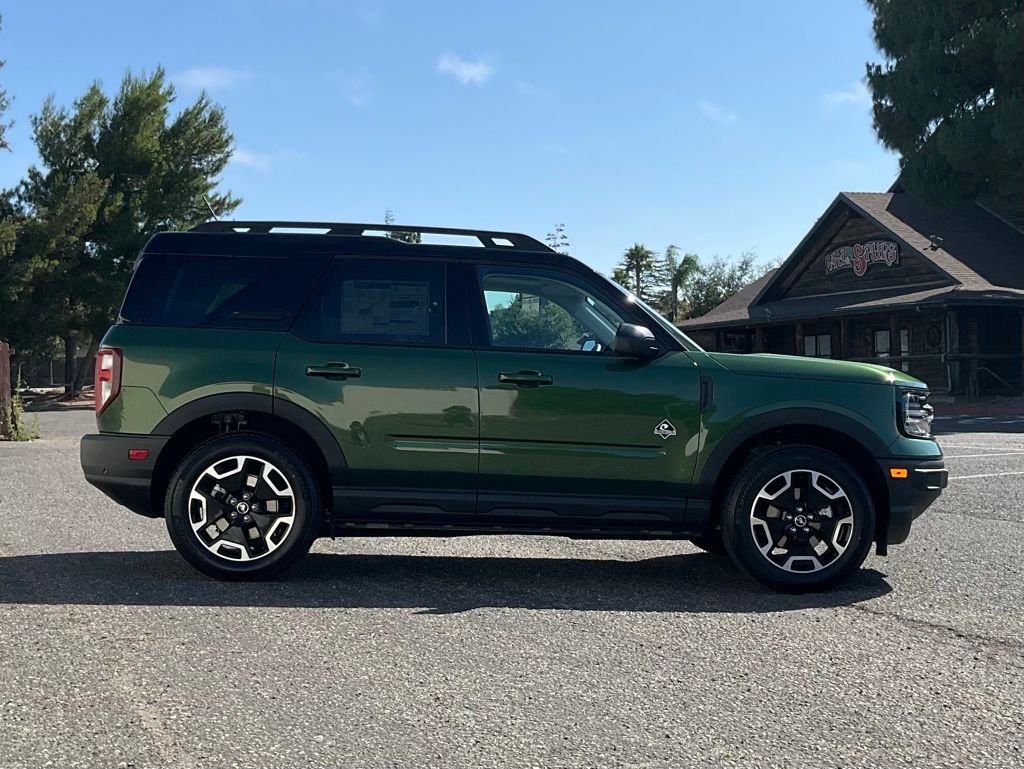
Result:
<point x="136" y="300"/>
<point x="231" y="291"/>
<point x="379" y="300"/>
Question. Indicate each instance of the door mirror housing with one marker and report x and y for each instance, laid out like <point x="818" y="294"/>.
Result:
<point x="634" y="341"/>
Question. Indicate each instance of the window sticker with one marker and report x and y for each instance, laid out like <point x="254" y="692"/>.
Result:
<point x="399" y="308"/>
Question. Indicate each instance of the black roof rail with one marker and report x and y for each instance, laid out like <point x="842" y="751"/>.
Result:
<point x="487" y="238"/>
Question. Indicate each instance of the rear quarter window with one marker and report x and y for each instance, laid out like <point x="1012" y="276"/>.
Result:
<point x="230" y="291"/>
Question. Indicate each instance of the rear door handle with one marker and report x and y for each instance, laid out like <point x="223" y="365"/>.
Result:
<point x="525" y="378"/>
<point x="334" y="371"/>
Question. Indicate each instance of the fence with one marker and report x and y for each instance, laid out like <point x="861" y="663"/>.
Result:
<point x="49" y="372"/>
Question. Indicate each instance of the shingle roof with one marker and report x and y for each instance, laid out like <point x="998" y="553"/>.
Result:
<point x="978" y="250"/>
<point x="983" y="254"/>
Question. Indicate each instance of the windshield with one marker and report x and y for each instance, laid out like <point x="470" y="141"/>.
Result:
<point x="669" y="327"/>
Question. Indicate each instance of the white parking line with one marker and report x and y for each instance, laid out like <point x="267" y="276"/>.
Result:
<point x="971" y="456"/>
<point x="952" y="446"/>
<point x="985" y="475"/>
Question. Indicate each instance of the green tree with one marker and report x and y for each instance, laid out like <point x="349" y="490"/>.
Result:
<point x="640" y="271"/>
<point x="5" y="103"/>
<point x="949" y="97"/>
<point x="405" y="237"/>
<point x="679" y="272"/>
<point x="720" y="279"/>
<point x="113" y="172"/>
<point x="534" y="323"/>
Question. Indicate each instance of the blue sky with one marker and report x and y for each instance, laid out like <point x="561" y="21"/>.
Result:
<point x="719" y="127"/>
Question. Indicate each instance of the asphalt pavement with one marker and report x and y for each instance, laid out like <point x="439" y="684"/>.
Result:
<point x="506" y="651"/>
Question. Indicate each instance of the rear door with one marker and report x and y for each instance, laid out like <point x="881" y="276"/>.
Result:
<point x="381" y="354"/>
<point x="569" y="429"/>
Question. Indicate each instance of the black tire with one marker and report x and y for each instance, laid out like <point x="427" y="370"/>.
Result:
<point x="195" y="524"/>
<point x="846" y="524"/>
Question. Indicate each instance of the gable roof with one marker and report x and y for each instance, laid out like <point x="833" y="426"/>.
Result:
<point x="982" y="255"/>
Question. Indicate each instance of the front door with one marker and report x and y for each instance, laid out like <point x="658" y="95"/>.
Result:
<point x="567" y="427"/>
<point x="381" y="355"/>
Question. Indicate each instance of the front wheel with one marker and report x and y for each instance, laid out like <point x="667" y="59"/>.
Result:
<point x="798" y="519"/>
<point x="242" y="506"/>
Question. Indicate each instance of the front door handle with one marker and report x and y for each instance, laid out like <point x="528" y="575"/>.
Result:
<point x="334" y="371"/>
<point x="525" y="378"/>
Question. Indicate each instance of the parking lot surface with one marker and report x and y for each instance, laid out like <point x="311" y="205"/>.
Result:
<point x="506" y="651"/>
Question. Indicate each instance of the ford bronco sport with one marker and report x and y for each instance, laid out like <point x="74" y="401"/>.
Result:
<point x="270" y="383"/>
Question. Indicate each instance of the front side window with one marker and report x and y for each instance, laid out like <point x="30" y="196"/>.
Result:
<point x="541" y="311"/>
<point x="380" y="300"/>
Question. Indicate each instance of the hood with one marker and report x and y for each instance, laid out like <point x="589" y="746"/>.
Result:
<point x="799" y="367"/>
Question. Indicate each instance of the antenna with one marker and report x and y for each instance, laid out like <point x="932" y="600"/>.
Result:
<point x="210" y="206"/>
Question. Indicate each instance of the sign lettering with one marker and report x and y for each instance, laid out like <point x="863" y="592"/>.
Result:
<point x="859" y="256"/>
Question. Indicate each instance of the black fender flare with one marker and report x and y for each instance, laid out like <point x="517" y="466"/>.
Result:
<point x="263" y="403"/>
<point x="785" y="417"/>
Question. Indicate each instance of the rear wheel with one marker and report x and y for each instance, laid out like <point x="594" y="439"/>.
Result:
<point x="242" y="506"/>
<point x="798" y="519"/>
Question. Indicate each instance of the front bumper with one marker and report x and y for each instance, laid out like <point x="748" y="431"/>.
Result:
<point x="106" y="466"/>
<point x="911" y="495"/>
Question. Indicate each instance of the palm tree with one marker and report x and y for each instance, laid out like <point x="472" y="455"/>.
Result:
<point x="678" y="271"/>
<point x="639" y="267"/>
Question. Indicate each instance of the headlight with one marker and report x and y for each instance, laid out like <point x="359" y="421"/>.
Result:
<point x="914" y="413"/>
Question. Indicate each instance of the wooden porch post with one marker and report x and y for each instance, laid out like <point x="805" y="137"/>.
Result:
<point x="845" y="350"/>
<point x="5" y="384"/>
<point x="799" y="336"/>
<point x="894" y="340"/>
<point x="759" y="339"/>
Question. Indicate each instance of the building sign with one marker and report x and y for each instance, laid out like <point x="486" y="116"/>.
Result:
<point x="859" y="256"/>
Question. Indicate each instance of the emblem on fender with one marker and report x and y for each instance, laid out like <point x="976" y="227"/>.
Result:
<point x="665" y="429"/>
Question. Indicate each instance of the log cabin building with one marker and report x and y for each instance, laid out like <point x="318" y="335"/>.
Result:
<point x="882" y="277"/>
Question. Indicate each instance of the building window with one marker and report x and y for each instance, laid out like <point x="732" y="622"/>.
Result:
<point x="818" y="346"/>
<point x="735" y="342"/>
<point x="883" y="346"/>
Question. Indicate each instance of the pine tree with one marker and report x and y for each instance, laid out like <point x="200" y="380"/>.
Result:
<point x="949" y="97"/>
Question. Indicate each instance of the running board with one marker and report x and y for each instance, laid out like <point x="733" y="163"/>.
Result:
<point x="343" y="528"/>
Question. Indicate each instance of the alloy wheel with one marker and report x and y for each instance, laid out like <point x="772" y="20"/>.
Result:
<point x="241" y="508"/>
<point x="802" y="521"/>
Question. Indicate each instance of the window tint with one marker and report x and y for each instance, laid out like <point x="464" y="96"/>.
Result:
<point x="382" y="300"/>
<point x="136" y="299"/>
<point x="230" y="292"/>
<point x="537" y="310"/>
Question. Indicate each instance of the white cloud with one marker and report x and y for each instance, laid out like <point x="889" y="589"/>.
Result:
<point x="209" y="78"/>
<point x="475" y="72"/>
<point x="357" y="87"/>
<point x="857" y="93"/>
<point x="255" y="160"/>
<point x="717" y="114"/>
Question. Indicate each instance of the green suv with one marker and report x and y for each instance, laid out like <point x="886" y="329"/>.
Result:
<point x="270" y="383"/>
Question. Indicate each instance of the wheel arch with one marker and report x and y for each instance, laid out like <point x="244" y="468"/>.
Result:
<point x="826" y="430"/>
<point x="203" y="418"/>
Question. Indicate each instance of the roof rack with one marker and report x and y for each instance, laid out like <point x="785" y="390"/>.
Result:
<point x="487" y="238"/>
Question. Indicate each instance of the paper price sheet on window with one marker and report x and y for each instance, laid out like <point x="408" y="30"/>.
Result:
<point x="385" y="307"/>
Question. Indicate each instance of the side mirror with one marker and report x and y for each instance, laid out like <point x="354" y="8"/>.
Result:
<point x="634" y="341"/>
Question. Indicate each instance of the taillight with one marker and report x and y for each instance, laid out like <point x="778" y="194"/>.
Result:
<point x="108" y="377"/>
